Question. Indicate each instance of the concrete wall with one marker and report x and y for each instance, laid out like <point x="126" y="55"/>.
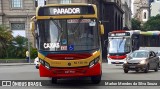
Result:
<point x="155" y="8"/>
<point x="17" y="15"/>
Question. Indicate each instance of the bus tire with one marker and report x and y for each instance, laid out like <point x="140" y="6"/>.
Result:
<point x="54" y="80"/>
<point x="96" y="79"/>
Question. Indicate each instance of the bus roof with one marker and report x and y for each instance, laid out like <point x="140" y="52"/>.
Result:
<point x="124" y="31"/>
<point x="154" y="33"/>
<point x="73" y="4"/>
<point x="147" y="33"/>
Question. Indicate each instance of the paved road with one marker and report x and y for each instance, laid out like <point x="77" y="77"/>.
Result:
<point x="110" y="72"/>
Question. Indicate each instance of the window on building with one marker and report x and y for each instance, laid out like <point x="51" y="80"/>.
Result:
<point x="65" y="1"/>
<point x="145" y="15"/>
<point x="16" y="3"/>
<point x="17" y="26"/>
<point x="40" y="3"/>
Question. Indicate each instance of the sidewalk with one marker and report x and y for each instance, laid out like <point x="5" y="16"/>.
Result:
<point x="15" y="64"/>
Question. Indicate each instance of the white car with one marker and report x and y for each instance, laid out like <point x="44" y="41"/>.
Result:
<point x="36" y="62"/>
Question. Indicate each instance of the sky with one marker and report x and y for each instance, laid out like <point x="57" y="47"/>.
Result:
<point x="132" y="7"/>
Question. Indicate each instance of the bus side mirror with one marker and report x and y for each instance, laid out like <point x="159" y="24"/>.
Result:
<point x="105" y="42"/>
<point x="32" y="26"/>
<point x="102" y="29"/>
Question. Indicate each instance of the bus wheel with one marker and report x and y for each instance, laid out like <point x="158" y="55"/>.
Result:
<point x="54" y="80"/>
<point x="96" y="79"/>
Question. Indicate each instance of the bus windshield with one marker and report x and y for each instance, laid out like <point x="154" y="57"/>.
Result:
<point x="67" y="34"/>
<point x="119" y="45"/>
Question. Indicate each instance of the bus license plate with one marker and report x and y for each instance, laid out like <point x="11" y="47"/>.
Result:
<point x="117" y="62"/>
<point x="69" y="72"/>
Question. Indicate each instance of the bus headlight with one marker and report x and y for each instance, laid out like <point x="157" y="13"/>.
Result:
<point x="47" y="65"/>
<point x="41" y="61"/>
<point x="93" y="62"/>
<point x="44" y="63"/>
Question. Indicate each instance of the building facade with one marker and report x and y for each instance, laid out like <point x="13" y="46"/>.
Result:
<point x="141" y="10"/>
<point x="126" y="6"/>
<point x="155" y="7"/>
<point x="16" y="15"/>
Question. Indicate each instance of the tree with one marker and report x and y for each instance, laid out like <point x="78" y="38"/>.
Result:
<point x="152" y="24"/>
<point x="136" y="25"/>
<point x="5" y="38"/>
<point x="20" y="46"/>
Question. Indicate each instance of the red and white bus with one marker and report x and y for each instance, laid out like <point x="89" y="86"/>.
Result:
<point x="120" y="44"/>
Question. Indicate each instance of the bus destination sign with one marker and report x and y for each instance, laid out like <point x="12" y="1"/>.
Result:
<point x="61" y="11"/>
<point x="65" y="10"/>
<point x="120" y="34"/>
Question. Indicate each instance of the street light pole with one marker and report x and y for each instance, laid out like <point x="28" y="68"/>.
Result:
<point x="28" y="35"/>
<point x="149" y="10"/>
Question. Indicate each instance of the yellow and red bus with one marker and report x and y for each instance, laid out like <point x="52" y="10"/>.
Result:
<point x="68" y="41"/>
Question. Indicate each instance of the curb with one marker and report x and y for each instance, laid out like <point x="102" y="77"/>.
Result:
<point x="15" y="64"/>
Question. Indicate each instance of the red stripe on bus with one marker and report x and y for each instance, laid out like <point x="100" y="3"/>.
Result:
<point x="68" y="56"/>
<point x="118" y="57"/>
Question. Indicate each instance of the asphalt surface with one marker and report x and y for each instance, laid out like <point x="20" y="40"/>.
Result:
<point x="28" y="72"/>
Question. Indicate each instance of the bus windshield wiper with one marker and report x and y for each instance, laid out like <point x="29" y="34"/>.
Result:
<point x="77" y="25"/>
<point x="120" y="44"/>
<point x="59" y="28"/>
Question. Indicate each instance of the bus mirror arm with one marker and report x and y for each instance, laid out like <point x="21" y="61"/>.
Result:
<point x="105" y="41"/>
<point x="36" y="35"/>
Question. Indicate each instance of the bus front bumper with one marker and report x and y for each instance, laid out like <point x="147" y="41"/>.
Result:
<point x="70" y="72"/>
<point x="113" y="61"/>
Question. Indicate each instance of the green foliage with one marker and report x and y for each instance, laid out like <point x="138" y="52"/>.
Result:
<point x="17" y="48"/>
<point x="34" y="53"/>
<point x="20" y="46"/>
<point x="13" y="47"/>
<point x="5" y="38"/>
<point x="136" y="25"/>
<point x="152" y="24"/>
